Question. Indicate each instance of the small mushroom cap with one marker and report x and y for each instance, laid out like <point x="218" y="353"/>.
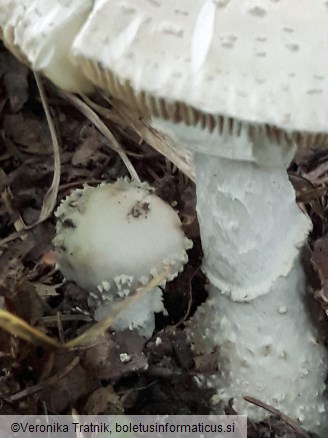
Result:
<point x="114" y="238"/>
<point x="255" y="61"/>
<point x="40" y="33"/>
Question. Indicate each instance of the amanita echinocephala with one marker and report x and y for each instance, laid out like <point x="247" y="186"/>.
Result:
<point x="243" y="84"/>
<point x="113" y="239"/>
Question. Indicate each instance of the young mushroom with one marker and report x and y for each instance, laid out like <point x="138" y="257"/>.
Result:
<point x="243" y="85"/>
<point x="114" y="238"/>
<point x="40" y="33"/>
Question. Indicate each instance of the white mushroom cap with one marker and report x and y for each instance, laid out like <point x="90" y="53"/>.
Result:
<point x="41" y="32"/>
<point x="114" y="238"/>
<point x="253" y="61"/>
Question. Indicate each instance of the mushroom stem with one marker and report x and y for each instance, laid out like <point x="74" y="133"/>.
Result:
<point x="252" y="231"/>
<point x="251" y="227"/>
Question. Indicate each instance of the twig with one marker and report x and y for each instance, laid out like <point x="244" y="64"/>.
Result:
<point x="18" y="327"/>
<point x="100" y="327"/>
<point x="11" y="237"/>
<point x="279" y="414"/>
<point x="41" y="385"/>
<point x="60" y="327"/>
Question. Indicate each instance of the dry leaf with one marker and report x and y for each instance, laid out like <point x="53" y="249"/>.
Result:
<point x="85" y="150"/>
<point x="104" y="401"/>
<point x="115" y="355"/>
<point x="13" y="75"/>
<point x="29" y="132"/>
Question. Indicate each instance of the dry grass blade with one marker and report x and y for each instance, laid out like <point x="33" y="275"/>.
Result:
<point x="76" y="419"/>
<point x="279" y="414"/>
<point x="108" y="114"/>
<point x="11" y="237"/>
<point x="97" y="330"/>
<point x="318" y="175"/>
<point x="7" y="199"/>
<point x="99" y="124"/>
<point x="50" y="198"/>
<point x="18" y="327"/>
<point x="182" y="159"/>
<point x="52" y="319"/>
<point x="311" y="195"/>
<point x="47" y="382"/>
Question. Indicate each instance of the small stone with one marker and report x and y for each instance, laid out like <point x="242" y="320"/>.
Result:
<point x="158" y="341"/>
<point x="124" y="357"/>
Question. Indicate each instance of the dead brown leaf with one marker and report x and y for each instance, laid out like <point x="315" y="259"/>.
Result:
<point x="104" y="401"/>
<point x="27" y="303"/>
<point x="307" y="193"/>
<point x="104" y="129"/>
<point x="65" y="391"/>
<point x="27" y="131"/>
<point x="320" y="258"/>
<point x="85" y="151"/>
<point x="13" y="75"/>
<point x="115" y="355"/>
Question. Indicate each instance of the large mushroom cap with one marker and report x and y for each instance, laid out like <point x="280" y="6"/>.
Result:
<point x="216" y="63"/>
<point x="261" y="62"/>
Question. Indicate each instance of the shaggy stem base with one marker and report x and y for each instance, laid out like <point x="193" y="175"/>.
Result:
<point x="256" y="316"/>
